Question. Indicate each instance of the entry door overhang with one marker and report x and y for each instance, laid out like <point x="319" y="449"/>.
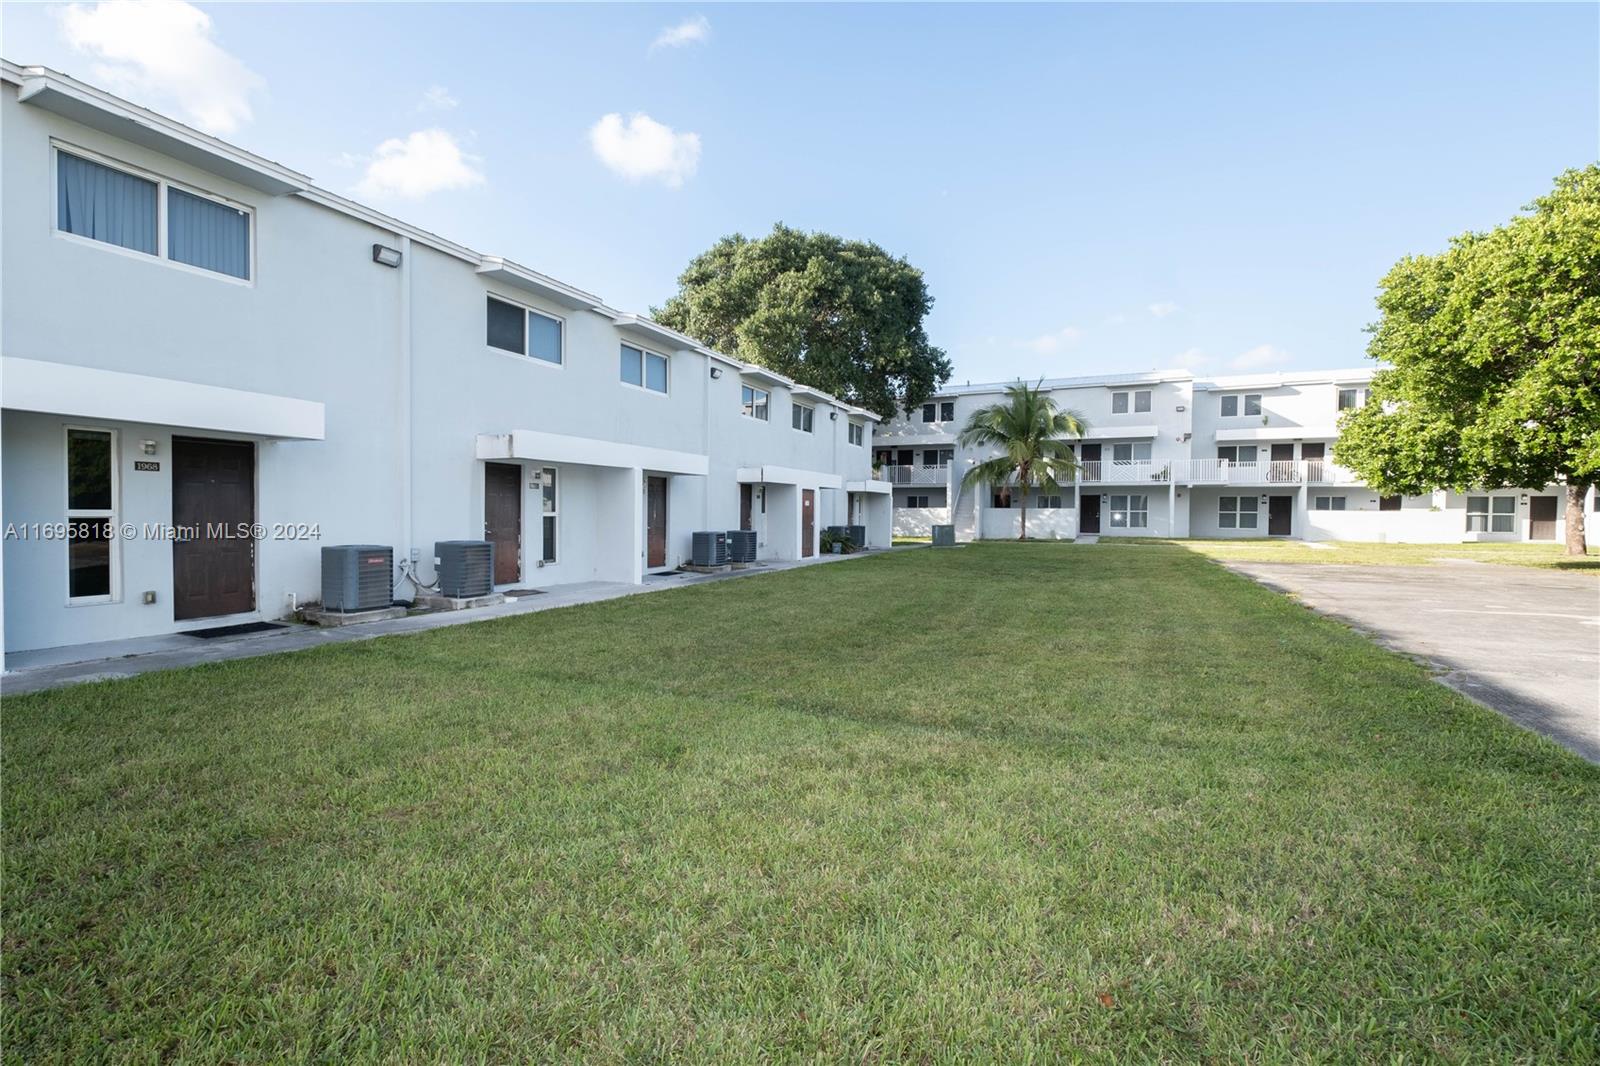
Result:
<point x="561" y="448"/>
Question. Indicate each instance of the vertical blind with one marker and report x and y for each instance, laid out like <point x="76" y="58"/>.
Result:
<point x="207" y="234"/>
<point x="104" y="204"/>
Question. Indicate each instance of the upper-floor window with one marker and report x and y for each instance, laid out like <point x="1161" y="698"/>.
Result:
<point x="937" y="457"/>
<point x="754" y="402"/>
<point x="947" y="410"/>
<point x="118" y="207"/>
<point x="802" y="417"/>
<point x="1140" y="400"/>
<point x="857" y="433"/>
<point x="1131" y="452"/>
<point x="1249" y="403"/>
<point x="1237" y="453"/>
<point x="930" y="412"/>
<point x="1352" y="398"/>
<point x="513" y="328"/>
<point x="647" y="370"/>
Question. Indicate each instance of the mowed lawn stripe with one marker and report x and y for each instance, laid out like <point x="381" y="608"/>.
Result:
<point x="995" y="802"/>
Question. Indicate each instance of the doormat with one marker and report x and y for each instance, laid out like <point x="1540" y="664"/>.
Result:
<point x="517" y="594"/>
<point x="233" y="631"/>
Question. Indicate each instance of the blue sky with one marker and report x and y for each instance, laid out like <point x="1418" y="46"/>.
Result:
<point x="1087" y="188"/>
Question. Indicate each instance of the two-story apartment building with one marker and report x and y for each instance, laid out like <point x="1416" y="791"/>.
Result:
<point x="197" y="337"/>
<point x="1169" y="455"/>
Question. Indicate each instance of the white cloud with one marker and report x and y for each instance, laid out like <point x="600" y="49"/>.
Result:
<point x="1259" y="358"/>
<point x="639" y="147"/>
<point x="1163" y="308"/>
<point x="1050" y="343"/>
<point x="426" y="161"/>
<point x="690" y="31"/>
<point x="1190" y="359"/>
<point x="162" y="51"/>
<point x="437" y="98"/>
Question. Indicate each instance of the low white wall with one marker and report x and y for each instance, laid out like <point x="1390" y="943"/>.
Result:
<point x="919" y="521"/>
<point x="1050" y="523"/>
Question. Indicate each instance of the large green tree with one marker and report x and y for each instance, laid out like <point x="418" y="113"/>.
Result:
<point x="842" y="316"/>
<point x="1031" y="433"/>
<point x="1492" y="349"/>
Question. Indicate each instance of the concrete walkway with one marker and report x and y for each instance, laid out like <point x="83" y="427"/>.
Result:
<point x="1525" y="642"/>
<point x="31" y="671"/>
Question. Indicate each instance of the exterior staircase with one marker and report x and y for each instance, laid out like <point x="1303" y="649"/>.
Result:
<point x="964" y="515"/>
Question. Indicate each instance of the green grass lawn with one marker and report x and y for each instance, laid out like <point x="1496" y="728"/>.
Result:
<point x="1548" y="556"/>
<point x="1004" y="802"/>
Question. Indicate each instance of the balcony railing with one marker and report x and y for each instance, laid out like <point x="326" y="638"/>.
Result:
<point x="1123" y="471"/>
<point x="1272" y="472"/>
<point x="898" y="474"/>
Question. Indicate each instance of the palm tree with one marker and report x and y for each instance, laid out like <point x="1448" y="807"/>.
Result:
<point x="1028" y="429"/>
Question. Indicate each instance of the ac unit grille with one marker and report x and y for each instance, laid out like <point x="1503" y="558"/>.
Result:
<point x="710" y="548"/>
<point x="357" y="577"/>
<point x="465" y="568"/>
<point x="742" y="545"/>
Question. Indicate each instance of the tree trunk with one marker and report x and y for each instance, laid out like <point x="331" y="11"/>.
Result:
<point x="1023" y="535"/>
<point x="1575" y="535"/>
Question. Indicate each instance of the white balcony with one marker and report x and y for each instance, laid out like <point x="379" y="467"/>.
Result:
<point x="1123" y="471"/>
<point x="899" y="474"/>
<point x="1272" y="472"/>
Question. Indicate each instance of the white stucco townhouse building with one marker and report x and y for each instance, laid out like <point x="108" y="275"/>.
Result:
<point x="1170" y="455"/>
<point x="192" y="333"/>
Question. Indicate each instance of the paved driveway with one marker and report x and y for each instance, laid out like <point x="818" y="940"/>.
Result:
<point x="1525" y="642"/>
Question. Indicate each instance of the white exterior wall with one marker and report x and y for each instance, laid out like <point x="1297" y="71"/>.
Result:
<point x="398" y="361"/>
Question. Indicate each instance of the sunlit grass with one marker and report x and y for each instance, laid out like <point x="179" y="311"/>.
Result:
<point x="1548" y="556"/>
<point x="1008" y="803"/>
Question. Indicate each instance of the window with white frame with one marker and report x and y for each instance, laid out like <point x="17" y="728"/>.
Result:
<point x="857" y="434"/>
<point x="1000" y="498"/>
<point x="91" y="514"/>
<point x="1131" y="452"/>
<point x="645" y="370"/>
<point x="114" y="205"/>
<point x="929" y="412"/>
<point x="1245" y="403"/>
<point x="1047" y="501"/>
<point x="549" y="502"/>
<point x="917" y="501"/>
<point x="1491" y="514"/>
<point x="524" y="331"/>
<point x="947" y="410"/>
<point x="755" y="403"/>
<point x="935" y="458"/>
<point x="802" y="417"/>
<point x="1328" y="503"/>
<point x="1237" y="453"/>
<point x="1130" y="512"/>
<point x="1238" y="512"/>
<point x="1139" y="399"/>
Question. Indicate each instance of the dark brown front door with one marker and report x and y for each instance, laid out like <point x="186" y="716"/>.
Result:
<point x="502" y="519"/>
<point x="1280" y="515"/>
<point x="655" y="521"/>
<point x="808" y="523"/>
<point x="1091" y="453"/>
<point x="213" y="507"/>
<point x="1089" y="514"/>
<point x="1541" y="518"/>
<point x="747" y="495"/>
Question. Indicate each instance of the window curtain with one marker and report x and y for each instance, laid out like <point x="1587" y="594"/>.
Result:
<point x="207" y="234"/>
<point x="104" y="204"/>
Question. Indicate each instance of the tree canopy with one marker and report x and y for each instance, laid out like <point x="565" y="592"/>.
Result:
<point x="1030" y="432"/>
<point x="1491" y="349"/>
<point x="838" y="315"/>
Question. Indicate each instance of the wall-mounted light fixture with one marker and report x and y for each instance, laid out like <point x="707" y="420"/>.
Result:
<point x="148" y="447"/>
<point x="833" y="416"/>
<point x="1181" y="408"/>
<point x="1524" y="497"/>
<point x="716" y="372"/>
<point x="383" y="255"/>
<point x="1263" y="497"/>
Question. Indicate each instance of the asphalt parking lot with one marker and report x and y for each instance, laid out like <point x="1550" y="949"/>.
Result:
<point x="1523" y="641"/>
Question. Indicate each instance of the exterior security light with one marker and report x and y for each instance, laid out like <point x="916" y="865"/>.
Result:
<point x="716" y="372"/>
<point x="148" y="446"/>
<point x="833" y="416"/>
<point x="385" y="256"/>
